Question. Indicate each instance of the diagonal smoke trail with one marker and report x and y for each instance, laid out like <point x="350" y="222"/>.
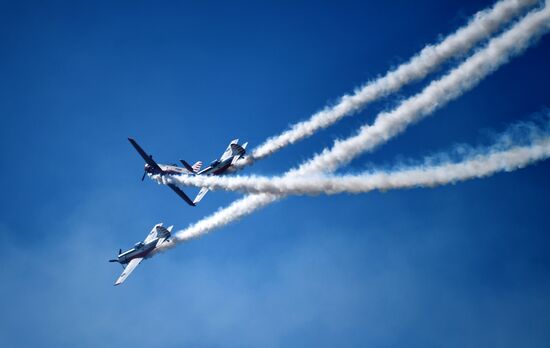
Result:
<point x="459" y="80"/>
<point x="481" y="26"/>
<point x="507" y="154"/>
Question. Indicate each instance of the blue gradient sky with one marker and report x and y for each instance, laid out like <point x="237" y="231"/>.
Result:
<point x="462" y="265"/>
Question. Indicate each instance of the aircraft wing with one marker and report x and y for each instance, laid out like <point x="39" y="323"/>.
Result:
<point x="129" y="269"/>
<point x="207" y="170"/>
<point x="181" y="194"/>
<point x="201" y="194"/>
<point x="147" y="158"/>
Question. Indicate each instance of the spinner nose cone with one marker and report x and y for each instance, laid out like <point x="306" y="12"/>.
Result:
<point x="148" y="169"/>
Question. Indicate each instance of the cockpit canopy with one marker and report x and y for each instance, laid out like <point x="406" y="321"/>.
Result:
<point x="138" y="245"/>
<point x="215" y="162"/>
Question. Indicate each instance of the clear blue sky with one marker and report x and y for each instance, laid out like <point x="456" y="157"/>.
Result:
<point x="462" y="265"/>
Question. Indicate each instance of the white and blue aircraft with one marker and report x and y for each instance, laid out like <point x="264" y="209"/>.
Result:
<point x="130" y="259"/>
<point x="225" y="164"/>
<point x="153" y="168"/>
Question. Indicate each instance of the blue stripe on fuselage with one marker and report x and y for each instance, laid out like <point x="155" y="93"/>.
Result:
<point x="219" y="169"/>
<point x="128" y="255"/>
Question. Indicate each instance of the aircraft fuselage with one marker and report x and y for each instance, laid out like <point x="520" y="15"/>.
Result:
<point x="139" y="250"/>
<point x="131" y="258"/>
<point x="217" y="167"/>
<point x="166" y="169"/>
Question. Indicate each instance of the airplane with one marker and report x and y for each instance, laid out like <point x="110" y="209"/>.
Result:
<point x="153" y="168"/>
<point x="223" y="165"/>
<point x="130" y="259"/>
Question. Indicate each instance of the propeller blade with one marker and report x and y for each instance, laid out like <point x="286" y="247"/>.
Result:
<point x="143" y="177"/>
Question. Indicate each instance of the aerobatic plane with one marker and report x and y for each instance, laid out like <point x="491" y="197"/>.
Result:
<point x="153" y="168"/>
<point x="130" y="259"/>
<point x="225" y="164"/>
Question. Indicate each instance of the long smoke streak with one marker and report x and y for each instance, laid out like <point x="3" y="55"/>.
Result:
<point x="479" y="163"/>
<point x="387" y="125"/>
<point x="481" y="166"/>
<point x="438" y="93"/>
<point x="481" y="26"/>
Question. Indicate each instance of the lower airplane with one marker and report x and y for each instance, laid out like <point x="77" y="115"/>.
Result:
<point x="130" y="259"/>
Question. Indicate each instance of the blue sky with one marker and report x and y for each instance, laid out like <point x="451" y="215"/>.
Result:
<point x="462" y="265"/>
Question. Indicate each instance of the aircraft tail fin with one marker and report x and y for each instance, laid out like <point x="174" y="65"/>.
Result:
<point x="164" y="237"/>
<point x="238" y="150"/>
<point x="192" y="168"/>
<point x="197" y="166"/>
<point x="201" y="194"/>
<point x="163" y="232"/>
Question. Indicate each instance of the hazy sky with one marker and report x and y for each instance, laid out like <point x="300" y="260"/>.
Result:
<point x="465" y="265"/>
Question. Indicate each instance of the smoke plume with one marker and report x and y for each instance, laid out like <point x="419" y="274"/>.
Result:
<point x="389" y="124"/>
<point x="481" y="26"/>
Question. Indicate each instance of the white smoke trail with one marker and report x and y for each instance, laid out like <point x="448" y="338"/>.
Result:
<point x="478" y="167"/>
<point x="387" y="125"/>
<point x="482" y="25"/>
<point x="461" y="79"/>
<point x="502" y="156"/>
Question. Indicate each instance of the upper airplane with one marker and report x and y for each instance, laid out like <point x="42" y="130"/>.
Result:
<point x="225" y="164"/>
<point x="130" y="259"/>
<point x="152" y="168"/>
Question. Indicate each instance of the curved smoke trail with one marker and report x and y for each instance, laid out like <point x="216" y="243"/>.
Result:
<point x="481" y="26"/>
<point x="497" y="52"/>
